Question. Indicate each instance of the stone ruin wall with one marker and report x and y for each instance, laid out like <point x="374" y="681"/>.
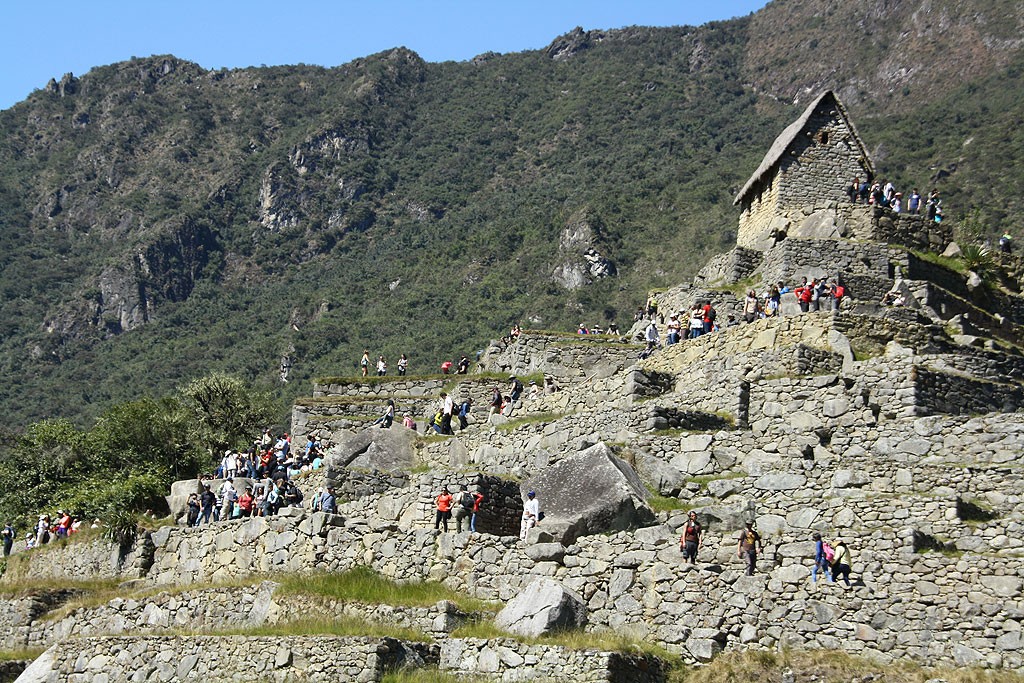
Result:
<point x="332" y="658"/>
<point x="758" y="216"/>
<point x="884" y="489"/>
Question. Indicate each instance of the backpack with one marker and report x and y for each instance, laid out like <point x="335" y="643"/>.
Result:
<point x="467" y="500"/>
<point x="830" y="552"/>
<point x="518" y="386"/>
<point x="712" y="314"/>
<point x="840" y="291"/>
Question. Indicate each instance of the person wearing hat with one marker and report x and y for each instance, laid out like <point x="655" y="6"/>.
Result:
<point x="841" y="562"/>
<point x="408" y="422"/>
<point x="534" y="389"/>
<point x="328" y="503"/>
<point x="673" y="329"/>
<point x="749" y="544"/>
<point x="531" y="515"/>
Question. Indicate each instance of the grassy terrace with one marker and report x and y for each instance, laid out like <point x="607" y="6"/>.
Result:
<point x="450" y="380"/>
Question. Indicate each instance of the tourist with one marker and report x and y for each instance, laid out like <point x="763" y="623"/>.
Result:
<point x="463" y="415"/>
<point x="245" y="503"/>
<point x="388" y="417"/>
<point x="446" y="367"/>
<point x="531" y="515"/>
<point x="534" y="390"/>
<point x="444" y="509"/>
<point x="447" y="409"/>
<point x="841" y="562"/>
<point x="692" y="538"/>
<point x="403" y="364"/>
<point x="495" y="406"/>
<point x="463" y="366"/>
<point x="515" y="388"/>
<point x="192" y="510"/>
<point x="708" y="317"/>
<point x="478" y="498"/>
<point x="207" y="501"/>
<point x="8" y="536"/>
<point x="837" y="292"/>
<point x="751" y="307"/>
<point x="463" y="507"/>
<point x="748" y="545"/>
<point x="803" y="295"/>
<point x="613" y="328"/>
<point x="1006" y="243"/>
<point x="914" y="202"/>
<point x="651" y="335"/>
<point x="382" y="366"/>
<point x="853" y="189"/>
<point x="896" y="203"/>
<point x="364" y="362"/>
<point x="228" y="495"/>
<point x="673" y="329"/>
<point x="408" y="422"/>
<point x="328" y="502"/>
<point x="821" y="561"/>
<point x="696" y="321"/>
<point x="229" y="464"/>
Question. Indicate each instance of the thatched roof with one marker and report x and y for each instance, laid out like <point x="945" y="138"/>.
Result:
<point x="791" y="132"/>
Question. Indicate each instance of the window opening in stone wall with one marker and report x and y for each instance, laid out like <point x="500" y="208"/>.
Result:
<point x="823" y="137"/>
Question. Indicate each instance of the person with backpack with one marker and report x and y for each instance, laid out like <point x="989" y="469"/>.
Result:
<point x="463" y="507"/>
<point x="841" y="562"/>
<point x="822" y="557"/>
<point x="692" y="538"/>
<point x="749" y="544"/>
<point x="515" y="388"/>
<point x="464" y="409"/>
<point x="709" y="317"/>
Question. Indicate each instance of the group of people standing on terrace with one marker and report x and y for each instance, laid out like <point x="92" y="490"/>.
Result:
<point x="883" y="194"/>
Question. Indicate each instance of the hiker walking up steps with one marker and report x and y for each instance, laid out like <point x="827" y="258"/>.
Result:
<point x="749" y="544"/>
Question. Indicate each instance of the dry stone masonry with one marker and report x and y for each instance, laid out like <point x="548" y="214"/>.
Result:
<point x="896" y="429"/>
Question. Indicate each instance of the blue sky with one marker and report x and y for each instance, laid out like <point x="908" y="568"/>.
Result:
<point x="42" y="40"/>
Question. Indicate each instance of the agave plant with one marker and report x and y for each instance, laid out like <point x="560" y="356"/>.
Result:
<point x="977" y="258"/>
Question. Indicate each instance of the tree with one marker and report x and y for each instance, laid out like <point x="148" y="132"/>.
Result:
<point x="223" y="412"/>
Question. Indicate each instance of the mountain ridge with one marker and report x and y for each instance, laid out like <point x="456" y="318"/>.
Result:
<point x="276" y="221"/>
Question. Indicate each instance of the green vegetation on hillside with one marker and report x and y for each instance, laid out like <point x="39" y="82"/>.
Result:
<point x="160" y="222"/>
<point x="126" y="461"/>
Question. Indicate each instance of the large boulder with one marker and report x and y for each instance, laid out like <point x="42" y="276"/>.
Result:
<point x="373" y="448"/>
<point x="544" y="606"/>
<point x="590" y="493"/>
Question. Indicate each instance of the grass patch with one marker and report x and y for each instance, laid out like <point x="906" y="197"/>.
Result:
<point x="864" y="350"/>
<point x="327" y="626"/>
<point x="364" y="585"/>
<point x="827" y="666"/>
<point x="21" y="654"/>
<point x="428" y="674"/>
<point x="530" y="419"/>
<point x="704" y="479"/>
<point x="574" y="639"/>
<point x="955" y="264"/>
<point x="660" y="503"/>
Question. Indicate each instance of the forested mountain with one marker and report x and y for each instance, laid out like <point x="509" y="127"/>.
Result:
<point x="160" y="221"/>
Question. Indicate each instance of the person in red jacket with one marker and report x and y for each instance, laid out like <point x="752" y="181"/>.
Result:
<point x="444" y="509"/>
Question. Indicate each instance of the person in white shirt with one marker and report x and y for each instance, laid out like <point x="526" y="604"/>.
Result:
<point x="229" y="465"/>
<point x="531" y="514"/>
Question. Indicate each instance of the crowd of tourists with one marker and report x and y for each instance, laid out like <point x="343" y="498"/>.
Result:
<point x="883" y="194"/>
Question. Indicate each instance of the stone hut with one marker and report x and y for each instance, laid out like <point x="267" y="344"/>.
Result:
<point x="810" y="164"/>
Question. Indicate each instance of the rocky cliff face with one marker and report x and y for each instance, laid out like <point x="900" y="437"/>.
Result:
<point x="892" y="54"/>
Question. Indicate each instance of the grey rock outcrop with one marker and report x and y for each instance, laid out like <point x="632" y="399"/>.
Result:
<point x="588" y="493"/>
<point x="542" y="607"/>
<point x="386" y="450"/>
